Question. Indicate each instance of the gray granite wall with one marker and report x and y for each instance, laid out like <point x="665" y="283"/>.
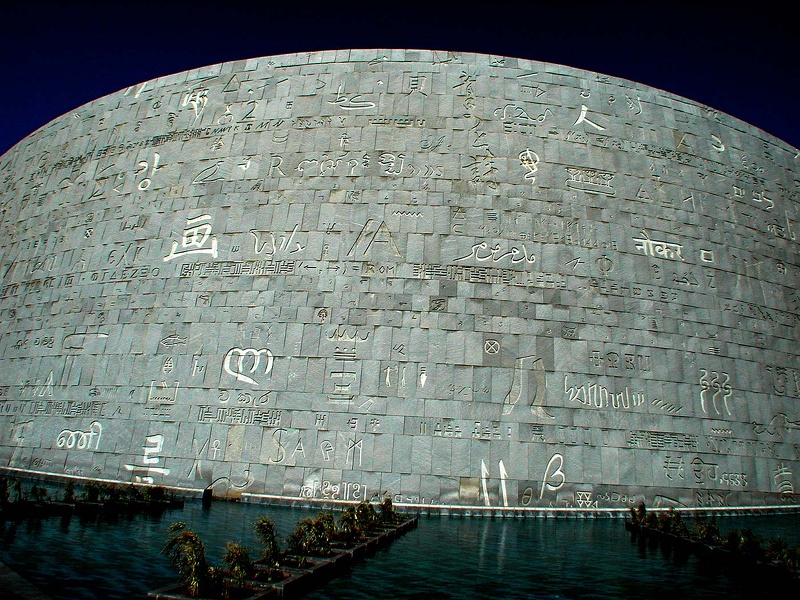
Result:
<point x="451" y="278"/>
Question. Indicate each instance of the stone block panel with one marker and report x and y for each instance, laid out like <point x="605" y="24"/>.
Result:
<point x="452" y="278"/>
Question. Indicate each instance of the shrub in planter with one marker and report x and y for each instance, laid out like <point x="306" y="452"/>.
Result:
<point x="641" y="513"/>
<point x="110" y="492"/>
<point x="39" y="494"/>
<point x="326" y="529"/>
<point x="367" y="516"/>
<point x="154" y="494"/>
<point x="237" y="558"/>
<point x="312" y="536"/>
<point x="676" y="525"/>
<point x="91" y="492"/>
<point x="388" y="513"/>
<point x="750" y="544"/>
<point x="349" y="528"/>
<point x="776" y="550"/>
<point x="131" y="493"/>
<point x="651" y="521"/>
<point x="707" y="532"/>
<point x="18" y="491"/>
<point x="4" y="491"/>
<point x="731" y="540"/>
<point x="265" y="532"/>
<point x="69" y="491"/>
<point x="664" y="523"/>
<point x="790" y="558"/>
<point x="187" y="555"/>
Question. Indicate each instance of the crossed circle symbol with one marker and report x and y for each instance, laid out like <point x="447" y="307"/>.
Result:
<point x="491" y="346"/>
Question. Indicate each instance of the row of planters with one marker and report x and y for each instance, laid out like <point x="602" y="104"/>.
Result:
<point x="738" y="550"/>
<point x="316" y="550"/>
<point x="19" y="500"/>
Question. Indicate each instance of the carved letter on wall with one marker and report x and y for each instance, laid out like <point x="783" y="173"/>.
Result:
<point x="528" y="385"/>
<point x="556" y="463"/>
<point x="239" y="369"/>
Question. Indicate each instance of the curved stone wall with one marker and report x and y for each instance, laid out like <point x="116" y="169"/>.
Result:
<point x="456" y="279"/>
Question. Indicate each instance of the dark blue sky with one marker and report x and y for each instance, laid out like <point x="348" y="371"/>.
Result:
<point x="56" y="57"/>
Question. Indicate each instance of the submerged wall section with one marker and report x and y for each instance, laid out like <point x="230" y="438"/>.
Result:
<point x="450" y="278"/>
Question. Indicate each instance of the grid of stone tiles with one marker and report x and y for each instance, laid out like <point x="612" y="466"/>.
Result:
<point x="452" y="278"/>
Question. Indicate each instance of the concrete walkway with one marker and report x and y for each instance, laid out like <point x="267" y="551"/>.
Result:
<point x="14" y="587"/>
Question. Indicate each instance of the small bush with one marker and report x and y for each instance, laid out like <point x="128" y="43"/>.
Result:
<point x="750" y="544"/>
<point x="641" y="513"/>
<point x="299" y="540"/>
<point x="110" y="492"/>
<point x="707" y="532"/>
<point x="237" y="558"/>
<point x="651" y="521"/>
<point x="312" y="536"/>
<point x="154" y="493"/>
<point x="265" y="532"/>
<point x="91" y="492"/>
<point x="349" y="529"/>
<point x="776" y="550"/>
<point x="367" y="516"/>
<point x="131" y="493"/>
<point x="187" y="555"/>
<point x="388" y="513"/>
<point x="39" y="494"/>
<point x="18" y="490"/>
<point x="664" y="523"/>
<point x="4" y="491"/>
<point x="69" y="491"/>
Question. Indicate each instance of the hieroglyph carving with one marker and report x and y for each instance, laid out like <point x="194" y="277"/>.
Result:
<point x="284" y="244"/>
<point x="195" y="235"/>
<point x="503" y="479"/>
<point x="583" y="119"/>
<point x="649" y="247"/>
<point x="591" y="181"/>
<point x="350" y="103"/>
<point x="496" y="254"/>
<point x="720" y="384"/>
<point x="81" y="440"/>
<point x="245" y="366"/>
<point x="530" y="160"/>
<point x="598" y="396"/>
<point x="782" y="476"/>
<point x="529" y="385"/>
<point x="554" y="473"/>
<point x="152" y="448"/>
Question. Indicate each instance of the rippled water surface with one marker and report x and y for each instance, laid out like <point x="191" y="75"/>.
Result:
<point x="445" y="557"/>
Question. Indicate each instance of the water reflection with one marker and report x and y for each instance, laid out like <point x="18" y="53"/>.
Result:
<point x="445" y="557"/>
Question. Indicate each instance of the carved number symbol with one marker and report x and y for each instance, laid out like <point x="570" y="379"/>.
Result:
<point x="249" y="114"/>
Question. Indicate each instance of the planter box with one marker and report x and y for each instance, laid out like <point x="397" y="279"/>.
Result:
<point x="176" y="592"/>
<point x="315" y="570"/>
<point x="734" y="564"/>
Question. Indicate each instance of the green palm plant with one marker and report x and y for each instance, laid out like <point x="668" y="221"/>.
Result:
<point x="237" y="558"/>
<point x="349" y="529"/>
<point x="265" y="532"/>
<point x="707" y="532"/>
<point x="367" y="516"/>
<point x="388" y="513"/>
<point x="313" y="536"/>
<point x="187" y="555"/>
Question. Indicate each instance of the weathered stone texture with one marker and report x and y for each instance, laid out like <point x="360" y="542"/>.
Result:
<point x="452" y="278"/>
